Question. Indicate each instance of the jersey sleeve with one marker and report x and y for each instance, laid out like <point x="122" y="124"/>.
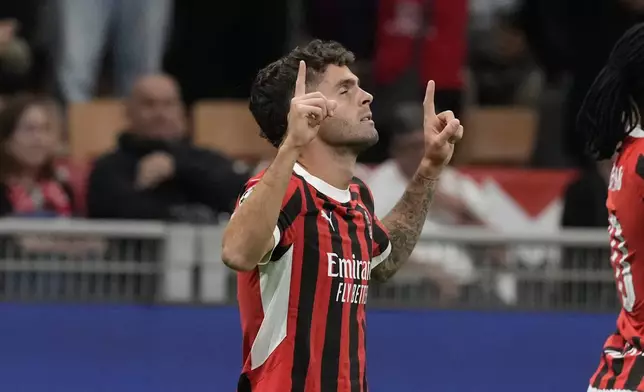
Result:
<point x="283" y="235"/>
<point x="381" y="243"/>
<point x="379" y="235"/>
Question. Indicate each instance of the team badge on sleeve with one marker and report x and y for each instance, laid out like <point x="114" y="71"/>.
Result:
<point x="246" y="194"/>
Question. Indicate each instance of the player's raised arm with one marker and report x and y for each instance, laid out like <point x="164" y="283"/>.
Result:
<point x="405" y="221"/>
<point x="249" y="234"/>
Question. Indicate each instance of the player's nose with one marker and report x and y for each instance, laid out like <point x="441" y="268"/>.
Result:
<point x="366" y="98"/>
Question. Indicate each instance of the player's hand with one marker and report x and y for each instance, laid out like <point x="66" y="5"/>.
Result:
<point x="307" y="112"/>
<point x="153" y="169"/>
<point x="442" y="131"/>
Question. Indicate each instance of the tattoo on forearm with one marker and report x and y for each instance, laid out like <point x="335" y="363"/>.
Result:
<point x="404" y="223"/>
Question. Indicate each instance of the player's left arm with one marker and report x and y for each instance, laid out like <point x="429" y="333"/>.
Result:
<point x="405" y="221"/>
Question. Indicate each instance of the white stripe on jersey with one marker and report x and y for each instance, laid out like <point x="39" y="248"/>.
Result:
<point x="591" y="389"/>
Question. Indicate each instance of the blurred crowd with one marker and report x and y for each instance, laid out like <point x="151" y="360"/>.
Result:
<point x="160" y="57"/>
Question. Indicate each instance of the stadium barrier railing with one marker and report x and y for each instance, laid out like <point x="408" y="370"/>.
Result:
<point x="152" y="262"/>
<point x="80" y="260"/>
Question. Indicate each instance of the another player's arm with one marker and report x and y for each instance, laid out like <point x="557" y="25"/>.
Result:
<point x="248" y="238"/>
<point x="406" y="220"/>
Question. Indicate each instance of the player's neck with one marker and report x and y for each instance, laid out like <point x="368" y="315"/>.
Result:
<point x="333" y="167"/>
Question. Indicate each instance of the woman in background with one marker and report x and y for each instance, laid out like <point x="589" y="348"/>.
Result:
<point x="31" y="184"/>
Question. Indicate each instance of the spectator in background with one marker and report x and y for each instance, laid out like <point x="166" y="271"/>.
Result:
<point x="503" y="71"/>
<point x="30" y="183"/>
<point x="15" y="54"/>
<point x="540" y="21"/>
<point x="346" y="16"/>
<point x="417" y="40"/>
<point x="448" y="268"/>
<point x="25" y="63"/>
<point x="139" y="29"/>
<point x="21" y="53"/>
<point x="156" y="173"/>
<point x="217" y="47"/>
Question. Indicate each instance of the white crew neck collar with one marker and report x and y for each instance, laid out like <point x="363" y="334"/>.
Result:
<point x="638" y="132"/>
<point x="337" y="194"/>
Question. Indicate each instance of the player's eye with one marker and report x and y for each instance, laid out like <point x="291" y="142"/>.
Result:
<point x="344" y="91"/>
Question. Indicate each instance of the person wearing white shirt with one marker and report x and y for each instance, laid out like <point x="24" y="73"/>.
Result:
<point x="448" y="266"/>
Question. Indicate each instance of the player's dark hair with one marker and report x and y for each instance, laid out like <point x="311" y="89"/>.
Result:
<point x="272" y="91"/>
<point x="611" y="108"/>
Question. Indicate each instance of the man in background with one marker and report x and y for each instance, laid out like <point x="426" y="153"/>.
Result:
<point x="20" y="50"/>
<point x="448" y="268"/>
<point x="155" y="173"/>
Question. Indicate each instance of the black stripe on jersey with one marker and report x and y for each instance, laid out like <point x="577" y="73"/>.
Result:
<point x="354" y="328"/>
<point x="308" y="282"/>
<point x="368" y="221"/>
<point x="598" y="379"/>
<point x="243" y="385"/>
<point x="291" y="210"/>
<point x="333" y="331"/>
<point x="364" y="377"/>
<point x="639" y="166"/>
<point x="617" y="365"/>
<point x="635" y="375"/>
<point x="365" y="195"/>
<point x="364" y="324"/>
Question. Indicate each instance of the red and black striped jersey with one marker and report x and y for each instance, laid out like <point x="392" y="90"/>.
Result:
<point x="303" y="308"/>
<point x="622" y="362"/>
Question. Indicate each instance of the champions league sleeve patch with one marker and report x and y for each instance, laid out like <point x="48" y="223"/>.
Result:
<point x="246" y="194"/>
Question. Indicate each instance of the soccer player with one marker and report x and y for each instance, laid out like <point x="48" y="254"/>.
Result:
<point x="611" y="119"/>
<point x="304" y="236"/>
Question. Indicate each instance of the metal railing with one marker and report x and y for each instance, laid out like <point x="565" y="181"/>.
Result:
<point x="79" y="260"/>
<point x="481" y="268"/>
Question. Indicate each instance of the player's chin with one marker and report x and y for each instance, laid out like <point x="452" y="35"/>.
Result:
<point x="369" y="132"/>
<point x="363" y="139"/>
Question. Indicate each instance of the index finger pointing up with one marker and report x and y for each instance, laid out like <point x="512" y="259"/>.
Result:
<point x="300" y="82"/>
<point x="428" y="103"/>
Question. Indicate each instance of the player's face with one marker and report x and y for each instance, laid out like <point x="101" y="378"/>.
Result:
<point x="351" y="125"/>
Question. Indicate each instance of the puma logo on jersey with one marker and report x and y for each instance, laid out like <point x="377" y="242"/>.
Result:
<point x="327" y="217"/>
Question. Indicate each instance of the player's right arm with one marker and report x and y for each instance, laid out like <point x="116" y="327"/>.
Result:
<point x="249" y="236"/>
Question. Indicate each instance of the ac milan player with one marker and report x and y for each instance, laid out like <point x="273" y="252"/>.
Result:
<point x="611" y="118"/>
<point x="304" y="237"/>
